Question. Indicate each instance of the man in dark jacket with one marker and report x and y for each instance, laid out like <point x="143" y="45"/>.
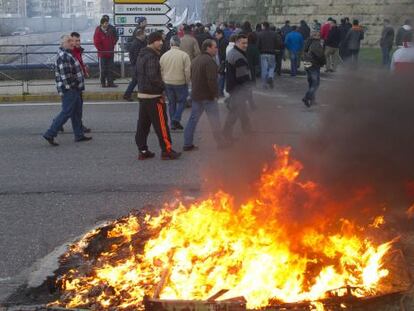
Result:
<point x="353" y="41"/>
<point x="343" y="29"/>
<point x="386" y="42"/>
<point x="239" y="86"/>
<point x="267" y="46"/>
<point x="314" y="59"/>
<point x="332" y="47"/>
<point x="152" y="108"/>
<point x="136" y="45"/>
<point x="222" y="44"/>
<point x="403" y="33"/>
<point x="304" y="30"/>
<point x="204" y="94"/>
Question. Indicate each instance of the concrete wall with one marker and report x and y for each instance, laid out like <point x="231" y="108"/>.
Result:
<point x="370" y="12"/>
<point x="42" y="24"/>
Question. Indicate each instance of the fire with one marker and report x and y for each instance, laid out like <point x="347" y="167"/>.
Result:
<point x="256" y="250"/>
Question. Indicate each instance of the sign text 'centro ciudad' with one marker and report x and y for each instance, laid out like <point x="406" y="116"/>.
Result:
<point x="127" y="13"/>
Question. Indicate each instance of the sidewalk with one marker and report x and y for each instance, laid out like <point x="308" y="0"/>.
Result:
<point x="45" y="91"/>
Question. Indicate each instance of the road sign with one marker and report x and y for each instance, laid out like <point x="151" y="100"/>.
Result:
<point x="140" y="1"/>
<point x="134" y="19"/>
<point x="127" y="31"/>
<point x="146" y="9"/>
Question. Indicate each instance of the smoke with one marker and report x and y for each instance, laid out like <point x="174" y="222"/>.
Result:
<point x="358" y="145"/>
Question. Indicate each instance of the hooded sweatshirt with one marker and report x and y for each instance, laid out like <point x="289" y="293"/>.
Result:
<point x="402" y="33"/>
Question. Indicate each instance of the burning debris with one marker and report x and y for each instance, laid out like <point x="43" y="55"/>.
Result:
<point x="181" y="255"/>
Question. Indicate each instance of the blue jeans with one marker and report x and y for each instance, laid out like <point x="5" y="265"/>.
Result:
<point x="221" y="83"/>
<point x="177" y="97"/>
<point x="294" y="59"/>
<point x="213" y="115"/>
<point x="267" y="66"/>
<point x="386" y="56"/>
<point x="71" y="109"/>
<point x="314" y="78"/>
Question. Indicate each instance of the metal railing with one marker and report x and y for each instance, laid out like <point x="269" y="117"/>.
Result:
<point x="21" y="65"/>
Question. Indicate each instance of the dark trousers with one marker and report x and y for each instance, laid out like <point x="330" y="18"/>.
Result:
<point x="132" y="84"/>
<point x="279" y="57"/>
<point x="106" y="68"/>
<point x="153" y="111"/>
<point x="314" y="78"/>
<point x="353" y="55"/>
<point x="238" y="111"/>
<point x="386" y="56"/>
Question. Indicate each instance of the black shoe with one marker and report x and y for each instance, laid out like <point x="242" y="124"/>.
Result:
<point x="177" y="126"/>
<point x="145" y="154"/>
<point x="270" y="82"/>
<point x="86" y="130"/>
<point x="104" y="85"/>
<point x="172" y="155"/>
<point x="128" y="98"/>
<point x="62" y="130"/>
<point x="306" y="102"/>
<point x="190" y="148"/>
<point x="51" y="141"/>
<point x="83" y="138"/>
<point x="112" y="85"/>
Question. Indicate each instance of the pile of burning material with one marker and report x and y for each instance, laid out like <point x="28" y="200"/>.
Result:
<point x="257" y="250"/>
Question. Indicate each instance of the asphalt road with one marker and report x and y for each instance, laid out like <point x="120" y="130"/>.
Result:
<point x="49" y="196"/>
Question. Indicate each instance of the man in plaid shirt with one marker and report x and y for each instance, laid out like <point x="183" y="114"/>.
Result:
<point x="70" y="83"/>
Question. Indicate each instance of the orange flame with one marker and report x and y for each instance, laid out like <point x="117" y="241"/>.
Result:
<point x="253" y="250"/>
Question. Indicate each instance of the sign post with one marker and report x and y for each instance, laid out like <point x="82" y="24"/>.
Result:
<point x="128" y="12"/>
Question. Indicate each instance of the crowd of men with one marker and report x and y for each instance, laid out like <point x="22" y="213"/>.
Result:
<point x="202" y="62"/>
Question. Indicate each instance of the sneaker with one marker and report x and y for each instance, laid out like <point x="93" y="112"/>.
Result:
<point x="82" y="139"/>
<point x="145" y="154"/>
<point x="306" y="102"/>
<point x="51" y="141"/>
<point x="86" y="129"/>
<point x="190" y="148"/>
<point x="172" y="155"/>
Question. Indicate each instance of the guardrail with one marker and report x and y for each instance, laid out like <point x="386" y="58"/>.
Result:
<point x="21" y="64"/>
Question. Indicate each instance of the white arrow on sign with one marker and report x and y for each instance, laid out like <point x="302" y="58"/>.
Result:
<point x="128" y="31"/>
<point x="134" y="19"/>
<point x="145" y="9"/>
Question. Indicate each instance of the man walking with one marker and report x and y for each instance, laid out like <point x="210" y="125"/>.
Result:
<point x="105" y="41"/>
<point x="403" y="59"/>
<point x="332" y="47"/>
<point x="386" y="42"/>
<point x="353" y="42"/>
<point x="267" y="46"/>
<point x="239" y="86"/>
<point x="176" y="70"/>
<point x="222" y="44"/>
<point x="138" y="43"/>
<point x="152" y="108"/>
<point x="402" y="33"/>
<point x="70" y="84"/>
<point x="189" y="44"/>
<point x="294" y="44"/>
<point x="314" y="59"/>
<point x="205" y="94"/>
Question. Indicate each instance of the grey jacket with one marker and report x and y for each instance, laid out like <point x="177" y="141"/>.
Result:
<point x="354" y="37"/>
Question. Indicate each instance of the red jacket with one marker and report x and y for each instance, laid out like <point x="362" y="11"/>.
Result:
<point x="104" y="42"/>
<point x="326" y="28"/>
<point x="77" y="53"/>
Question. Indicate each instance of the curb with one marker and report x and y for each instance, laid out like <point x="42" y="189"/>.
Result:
<point x="53" y="97"/>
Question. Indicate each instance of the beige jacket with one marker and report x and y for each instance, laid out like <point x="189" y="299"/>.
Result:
<point x="190" y="45"/>
<point x="175" y="67"/>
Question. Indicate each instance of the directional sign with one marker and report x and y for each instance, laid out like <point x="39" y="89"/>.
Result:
<point x="140" y="1"/>
<point x="146" y="9"/>
<point x="134" y="19"/>
<point x="127" y="31"/>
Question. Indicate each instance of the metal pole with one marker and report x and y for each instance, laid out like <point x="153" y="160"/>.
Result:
<point x="122" y="57"/>
<point x="26" y="71"/>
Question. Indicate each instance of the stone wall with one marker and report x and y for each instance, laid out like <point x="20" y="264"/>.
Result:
<point x="370" y="12"/>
